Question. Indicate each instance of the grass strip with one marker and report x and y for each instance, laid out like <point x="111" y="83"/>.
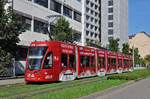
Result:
<point x="79" y="91"/>
<point x="18" y="88"/>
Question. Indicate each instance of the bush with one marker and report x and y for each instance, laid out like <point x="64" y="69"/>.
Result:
<point x="5" y="62"/>
<point x="136" y="75"/>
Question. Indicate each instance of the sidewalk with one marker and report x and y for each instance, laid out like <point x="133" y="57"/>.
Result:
<point x="11" y="81"/>
<point x="130" y="90"/>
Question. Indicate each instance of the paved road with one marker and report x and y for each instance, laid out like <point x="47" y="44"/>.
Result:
<point x="11" y="81"/>
<point x="138" y="90"/>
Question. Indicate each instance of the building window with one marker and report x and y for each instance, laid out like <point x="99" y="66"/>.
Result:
<point x="77" y="16"/>
<point x="87" y="25"/>
<point x="110" y="10"/>
<point x="92" y="12"/>
<point x="96" y="28"/>
<point x="92" y="34"/>
<point x="43" y="3"/>
<point x="110" y="24"/>
<point x="40" y="27"/>
<point x="110" y="3"/>
<point x="55" y="6"/>
<point x="79" y="0"/>
<point x="96" y="7"/>
<point x="26" y="23"/>
<point x="87" y="17"/>
<point x="92" y="26"/>
<point x="95" y="35"/>
<point x="87" y="33"/>
<point x="95" y="21"/>
<point x="96" y="14"/>
<point x="67" y="12"/>
<point x="92" y="4"/>
<point x="110" y="17"/>
<point x="110" y="32"/>
<point x="92" y="19"/>
<point x="87" y="40"/>
<point x="87" y="10"/>
<point x="87" y="2"/>
<point x="110" y="38"/>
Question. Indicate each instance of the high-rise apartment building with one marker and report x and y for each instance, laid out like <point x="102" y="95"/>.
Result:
<point x="114" y="21"/>
<point x="90" y="20"/>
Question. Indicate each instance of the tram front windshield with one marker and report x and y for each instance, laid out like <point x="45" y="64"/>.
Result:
<point x="35" y="57"/>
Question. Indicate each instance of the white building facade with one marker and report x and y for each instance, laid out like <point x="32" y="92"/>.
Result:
<point x="35" y="17"/>
<point x="114" y="21"/>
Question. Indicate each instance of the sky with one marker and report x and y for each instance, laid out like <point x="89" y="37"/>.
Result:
<point x="139" y="16"/>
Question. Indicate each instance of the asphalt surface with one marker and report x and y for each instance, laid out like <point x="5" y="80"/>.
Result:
<point x="11" y="81"/>
<point x="137" y="90"/>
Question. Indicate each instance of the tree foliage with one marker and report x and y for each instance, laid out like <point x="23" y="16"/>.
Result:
<point x="96" y="42"/>
<point x="10" y="28"/>
<point x="126" y="49"/>
<point x="63" y="32"/>
<point x="5" y="62"/>
<point x="147" y="60"/>
<point x="114" y="45"/>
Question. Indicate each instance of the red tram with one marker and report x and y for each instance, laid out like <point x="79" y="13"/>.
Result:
<point x="59" y="61"/>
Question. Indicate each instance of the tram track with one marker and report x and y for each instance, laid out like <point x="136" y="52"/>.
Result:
<point x="31" y="93"/>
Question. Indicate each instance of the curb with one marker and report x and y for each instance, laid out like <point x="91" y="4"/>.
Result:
<point x="7" y="78"/>
<point x="106" y="91"/>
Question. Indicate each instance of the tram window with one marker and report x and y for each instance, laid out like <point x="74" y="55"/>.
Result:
<point x="64" y="59"/>
<point x="126" y="63"/>
<point x="48" y="64"/>
<point x="103" y="62"/>
<point x="82" y="61"/>
<point x="109" y="61"/>
<point x="87" y="61"/>
<point x="71" y="61"/>
<point x="113" y="62"/>
<point x="120" y="63"/>
<point x="92" y="61"/>
<point x="131" y="63"/>
<point x="99" y="62"/>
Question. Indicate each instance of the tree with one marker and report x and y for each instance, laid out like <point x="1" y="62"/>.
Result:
<point x="10" y="28"/>
<point x="147" y="60"/>
<point x="137" y="60"/>
<point x="126" y="49"/>
<point x="114" y="45"/>
<point x="63" y="32"/>
<point x="5" y="62"/>
<point x="96" y="42"/>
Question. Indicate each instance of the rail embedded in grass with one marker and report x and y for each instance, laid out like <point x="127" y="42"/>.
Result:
<point x="33" y="90"/>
